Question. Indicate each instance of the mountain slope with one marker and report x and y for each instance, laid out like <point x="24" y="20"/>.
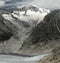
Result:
<point x="53" y="57"/>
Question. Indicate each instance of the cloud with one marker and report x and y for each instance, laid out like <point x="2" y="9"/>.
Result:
<point x="41" y="3"/>
<point x="47" y="3"/>
<point x="11" y="2"/>
<point x="2" y="3"/>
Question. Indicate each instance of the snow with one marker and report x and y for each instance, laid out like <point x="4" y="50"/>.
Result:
<point x="19" y="12"/>
<point x="44" y="10"/>
<point x="30" y="16"/>
<point x="29" y="12"/>
<point x="11" y="19"/>
<point x="20" y="59"/>
<point x="7" y="16"/>
<point x="35" y="6"/>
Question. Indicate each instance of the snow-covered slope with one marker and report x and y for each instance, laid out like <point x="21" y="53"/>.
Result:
<point x="30" y="13"/>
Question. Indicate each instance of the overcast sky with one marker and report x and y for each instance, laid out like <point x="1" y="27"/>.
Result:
<point x="40" y="3"/>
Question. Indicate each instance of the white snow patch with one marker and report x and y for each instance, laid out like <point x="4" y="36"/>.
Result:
<point x="21" y="58"/>
<point x="30" y="16"/>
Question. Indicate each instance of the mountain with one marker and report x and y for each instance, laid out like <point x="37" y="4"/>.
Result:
<point x="20" y="24"/>
<point x="33" y="32"/>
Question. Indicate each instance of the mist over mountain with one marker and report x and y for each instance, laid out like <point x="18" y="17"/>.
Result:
<point x="40" y="3"/>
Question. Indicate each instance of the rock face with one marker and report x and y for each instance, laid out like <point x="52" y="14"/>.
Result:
<point x="48" y="28"/>
<point x="54" y="55"/>
<point x="4" y="31"/>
